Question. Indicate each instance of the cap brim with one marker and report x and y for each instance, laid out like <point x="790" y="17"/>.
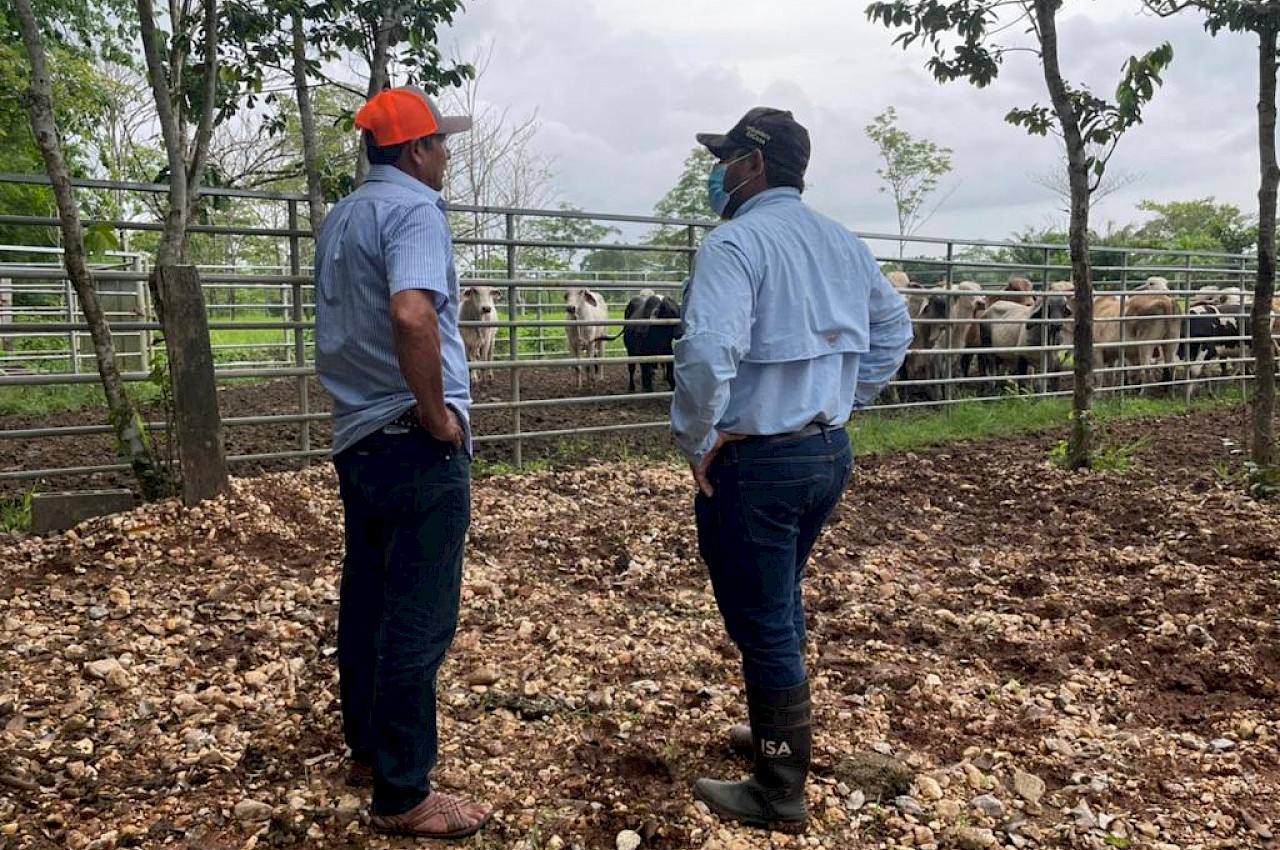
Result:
<point x="714" y="142"/>
<point x="455" y="124"/>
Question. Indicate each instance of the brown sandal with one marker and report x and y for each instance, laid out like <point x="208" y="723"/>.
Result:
<point x="452" y="809"/>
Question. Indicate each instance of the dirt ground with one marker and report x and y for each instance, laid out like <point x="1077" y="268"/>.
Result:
<point x="259" y="398"/>
<point x="1002" y="654"/>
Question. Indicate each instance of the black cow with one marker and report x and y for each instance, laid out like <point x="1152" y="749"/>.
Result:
<point x="1211" y="333"/>
<point x="650" y="340"/>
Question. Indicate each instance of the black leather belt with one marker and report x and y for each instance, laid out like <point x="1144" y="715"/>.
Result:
<point x="813" y="429"/>
<point x="408" y="420"/>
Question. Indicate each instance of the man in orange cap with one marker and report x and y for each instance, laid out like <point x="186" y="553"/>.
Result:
<point x="389" y="351"/>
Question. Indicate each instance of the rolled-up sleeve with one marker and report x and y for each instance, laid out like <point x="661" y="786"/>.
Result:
<point x="718" y="308"/>
<point x="889" y="324"/>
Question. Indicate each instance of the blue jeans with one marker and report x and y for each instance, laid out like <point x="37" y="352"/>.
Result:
<point x="772" y="499"/>
<point x="406" y="500"/>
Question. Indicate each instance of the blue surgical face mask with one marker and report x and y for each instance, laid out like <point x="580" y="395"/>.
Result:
<point x="717" y="195"/>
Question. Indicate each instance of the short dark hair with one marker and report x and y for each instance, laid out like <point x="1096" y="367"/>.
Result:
<point x="390" y="154"/>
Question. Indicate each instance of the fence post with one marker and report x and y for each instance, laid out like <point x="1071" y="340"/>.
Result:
<point x="142" y="311"/>
<point x="72" y="340"/>
<point x="299" y="335"/>
<point x="1044" y="286"/>
<point x="1243" y="329"/>
<point x="689" y="242"/>
<point x="1124" y="345"/>
<point x="191" y="375"/>
<point x="949" y="358"/>
<point x="513" y="339"/>
<point x="6" y="311"/>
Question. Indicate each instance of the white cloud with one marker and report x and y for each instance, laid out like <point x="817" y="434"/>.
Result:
<point x="622" y="86"/>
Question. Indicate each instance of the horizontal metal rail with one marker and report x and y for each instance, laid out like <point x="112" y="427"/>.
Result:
<point x="41" y="331"/>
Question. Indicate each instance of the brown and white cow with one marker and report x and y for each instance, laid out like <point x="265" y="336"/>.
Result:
<point x="1013" y="337"/>
<point x="1142" y="329"/>
<point x="1018" y="290"/>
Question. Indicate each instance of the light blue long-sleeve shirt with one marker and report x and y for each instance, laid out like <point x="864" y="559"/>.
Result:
<point x="388" y="236"/>
<point x="788" y="321"/>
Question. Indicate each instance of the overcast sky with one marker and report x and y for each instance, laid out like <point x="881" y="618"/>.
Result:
<point x="621" y="87"/>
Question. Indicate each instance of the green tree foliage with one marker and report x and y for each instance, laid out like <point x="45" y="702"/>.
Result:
<point x="79" y="105"/>
<point x="560" y="229"/>
<point x="1196" y="225"/>
<point x="912" y="169"/>
<point x="688" y="198"/>
<point x="1090" y="126"/>
<point x="687" y="201"/>
<point x="301" y="39"/>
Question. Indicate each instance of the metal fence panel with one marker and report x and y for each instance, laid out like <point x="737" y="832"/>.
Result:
<point x="261" y="316"/>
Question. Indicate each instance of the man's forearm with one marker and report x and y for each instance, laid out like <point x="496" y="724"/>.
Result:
<point x="418" y="350"/>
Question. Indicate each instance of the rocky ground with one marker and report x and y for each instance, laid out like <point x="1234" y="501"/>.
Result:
<point x="1003" y="654"/>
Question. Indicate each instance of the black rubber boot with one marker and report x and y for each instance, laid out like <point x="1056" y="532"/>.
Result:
<point x="740" y="742"/>
<point x="782" y="733"/>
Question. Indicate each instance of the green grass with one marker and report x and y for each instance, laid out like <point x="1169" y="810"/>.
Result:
<point x="235" y="345"/>
<point x="33" y="401"/>
<point x="892" y="433"/>
<point x="15" y="513"/>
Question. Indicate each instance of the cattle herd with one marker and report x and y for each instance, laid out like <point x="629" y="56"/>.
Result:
<point x="966" y="335"/>
<point x="990" y="339"/>
<point x="650" y="327"/>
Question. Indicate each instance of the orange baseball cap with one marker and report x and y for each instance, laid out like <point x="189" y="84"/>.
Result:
<point x="395" y="116"/>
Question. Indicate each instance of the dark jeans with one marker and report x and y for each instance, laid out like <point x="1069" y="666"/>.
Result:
<point x="407" y="504"/>
<point x="772" y="499"/>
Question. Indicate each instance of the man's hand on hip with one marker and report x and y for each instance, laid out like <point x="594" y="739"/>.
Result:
<point x="442" y="424"/>
<point x="700" y="470"/>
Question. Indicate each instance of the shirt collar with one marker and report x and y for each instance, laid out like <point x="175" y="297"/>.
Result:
<point x="391" y="174"/>
<point x="776" y="193"/>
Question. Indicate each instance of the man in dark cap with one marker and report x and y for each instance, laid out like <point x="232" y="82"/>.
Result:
<point x="389" y="351"/>
<point x="789" y="325"/>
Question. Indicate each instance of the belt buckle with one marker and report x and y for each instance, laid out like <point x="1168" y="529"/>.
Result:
<point x="402" y="424"/>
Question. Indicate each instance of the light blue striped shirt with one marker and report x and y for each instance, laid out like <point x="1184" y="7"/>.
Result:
<point x="788" y="321"/>
<point x="389" y="235"/>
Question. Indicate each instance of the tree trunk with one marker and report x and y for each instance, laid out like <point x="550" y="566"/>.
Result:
<point x="1264" y="400"/>
<point x="381" y="58"/>
<point x="379" y="62"/>
<point x="204" y="129"/>
<point x="1079" y="444"/>
<point x="175" y="219"/>
<point x="131" y="436"/>
<point x="203" y="459"/>
<point x="307" y="118"/>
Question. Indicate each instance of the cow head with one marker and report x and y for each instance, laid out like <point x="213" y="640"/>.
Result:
<point x="483" y="297"/>
<point x="575" y="297"/>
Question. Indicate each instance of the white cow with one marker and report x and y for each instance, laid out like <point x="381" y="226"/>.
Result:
<point x="585" y="305"/>
<point x="478" y="306"/>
